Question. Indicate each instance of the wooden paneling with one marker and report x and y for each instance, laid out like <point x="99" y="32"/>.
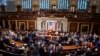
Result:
<point x="96" y="28"/>
<point x="85" y="24"/>
<point x="22" y="25"/>
<point x="73" y="27"/>
<point x="12" y="24"/>
<point x="31" y="25"/>
<point x="28" y="24"/>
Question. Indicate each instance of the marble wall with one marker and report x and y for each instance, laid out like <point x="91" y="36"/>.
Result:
<point x="63" y="20"/>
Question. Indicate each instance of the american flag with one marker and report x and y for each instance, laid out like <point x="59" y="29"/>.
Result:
<point x="51" y="26"/>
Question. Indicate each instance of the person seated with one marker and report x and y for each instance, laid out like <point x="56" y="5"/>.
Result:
<point x="2" y="46"/>
<point x="98" y="45"/>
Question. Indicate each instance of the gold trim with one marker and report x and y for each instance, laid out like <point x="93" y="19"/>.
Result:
<point x="27" y="24"/>
<point x="85" y="25"/>
<point x="78" y="27"/>
<point x="91" y="27"/>
<point x="20" y="23"/>
<point x="68" y="27"/>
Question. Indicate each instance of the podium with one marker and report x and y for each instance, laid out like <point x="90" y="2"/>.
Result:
<point x="52" y="35"/>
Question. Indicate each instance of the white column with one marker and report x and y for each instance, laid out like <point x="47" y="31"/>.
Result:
<point x="46" y="26"/>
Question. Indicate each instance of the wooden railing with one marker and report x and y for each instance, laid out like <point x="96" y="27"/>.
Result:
<point x="69" y="15"/>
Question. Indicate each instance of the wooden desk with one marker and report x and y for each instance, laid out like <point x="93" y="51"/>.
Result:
<point x="16" y="43"/>
<point x="71" y="47"/>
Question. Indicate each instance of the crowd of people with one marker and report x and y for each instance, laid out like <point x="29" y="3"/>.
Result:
<point x="35" y="45"/>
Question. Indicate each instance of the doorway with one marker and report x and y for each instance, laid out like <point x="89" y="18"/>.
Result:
<point x="96" y="28"/>
<point x="22" y="25"/>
